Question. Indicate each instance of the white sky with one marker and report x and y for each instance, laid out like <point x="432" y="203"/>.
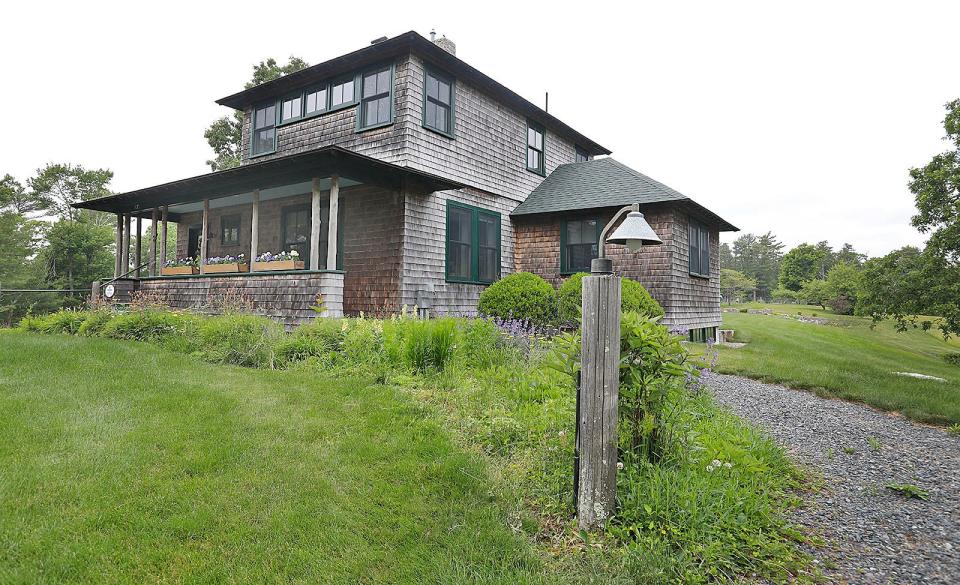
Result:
<point x="796" y="117"/>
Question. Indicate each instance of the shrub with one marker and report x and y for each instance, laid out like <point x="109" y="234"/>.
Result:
<point x="95" y="322"/>
<point x="320" y="338"/>
<point x="481" y="344"/>
<point x="153" y="325"/>
<point x="63" y="321"/>
<point x="242" y="340"/>
<point x="521" y="295"/>
<point x="952" y="358"/>
<point x="633" y="297"/>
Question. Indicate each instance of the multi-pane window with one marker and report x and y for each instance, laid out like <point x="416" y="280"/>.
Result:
<point x="473" y="244"/>
<point x="582" y="155"/>
<point x="315" y="101"/>
<point x="341" y="93"/>
<point x="375" y="104"/>
<point x="698" y="246"/>
<point x="291" y="109"/>
<point x="535" y="148"/>
<point x="296" y="230"/>
<point x="264" y="130"/>
<point x="438" y="103"/>
<point x="578" y="244"/>
<point x="230" y="230"/>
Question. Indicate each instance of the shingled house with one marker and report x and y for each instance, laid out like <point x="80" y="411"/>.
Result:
<point x="401" y="175"/>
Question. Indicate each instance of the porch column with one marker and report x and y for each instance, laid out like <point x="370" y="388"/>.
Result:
<point x="154" y="217"/>
<point x="125" y="259"/>
<point x="315" y="226"/>
<point x="332" y="223"/>
<point x="137" y="248"/>
<point x="203" y="235"/>
<point x="254" y="228"/>
<point x="119" y="247"/>
<point x="163" y="240"/>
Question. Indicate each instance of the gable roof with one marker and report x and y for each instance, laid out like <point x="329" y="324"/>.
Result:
<point x="606" y="182"/>
<point x="391" y="48"/>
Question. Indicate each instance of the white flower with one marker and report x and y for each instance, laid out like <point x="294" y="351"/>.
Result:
<point x="716" y="463"/>
<point x="728" y="465"/>
<point x="294" y="253"/>
<point x="710" y="468"/>
<point x="619" y="464"/>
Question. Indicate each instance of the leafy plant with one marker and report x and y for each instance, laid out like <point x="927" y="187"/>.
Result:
<point x="521" y="295"/>
<point x="909" y="490"/>
<point x="875" y="444"/>
<point x="652" y="365"/>
<point x="849" y="450"/>
<point x="952" y="358"/>
<point x="954" y="429"/>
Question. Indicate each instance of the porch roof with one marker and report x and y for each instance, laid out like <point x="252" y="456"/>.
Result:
<point x="275" y="172"/>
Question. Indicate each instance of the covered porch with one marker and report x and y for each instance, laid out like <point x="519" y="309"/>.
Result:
<point x="336" y="216"/>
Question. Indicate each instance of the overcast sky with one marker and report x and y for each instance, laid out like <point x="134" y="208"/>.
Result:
<point x="801" y="118"/>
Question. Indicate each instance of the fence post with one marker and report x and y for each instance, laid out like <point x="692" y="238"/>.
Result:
<point x="596" y="481"/>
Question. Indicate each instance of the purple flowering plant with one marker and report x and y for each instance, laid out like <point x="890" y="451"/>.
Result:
<point x="279" y="256"/>
<point x="228" y="259"/>
<point x="177" y="262"/>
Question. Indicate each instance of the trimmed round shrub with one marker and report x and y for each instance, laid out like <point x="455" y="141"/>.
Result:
<point x="521" y="295"/>
<point x="633" y="297"/>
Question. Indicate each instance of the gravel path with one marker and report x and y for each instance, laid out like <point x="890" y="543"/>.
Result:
<point x="874" y="534"/>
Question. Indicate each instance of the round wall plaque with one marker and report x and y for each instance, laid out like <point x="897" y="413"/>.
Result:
<point x="109" y="291"/>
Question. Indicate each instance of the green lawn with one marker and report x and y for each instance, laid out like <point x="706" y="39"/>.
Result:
<point x="848" y="359"/>
<point x="121" y="462"/>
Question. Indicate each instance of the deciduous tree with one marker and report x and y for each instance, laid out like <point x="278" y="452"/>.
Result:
<point x="225" y="134"/>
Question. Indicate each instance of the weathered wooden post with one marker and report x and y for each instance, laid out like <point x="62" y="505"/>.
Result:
<point x="599" y="388"/>
<point x="599" y="393"/>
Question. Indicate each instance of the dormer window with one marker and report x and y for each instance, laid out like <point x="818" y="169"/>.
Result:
<point x="264" y="130"/>
<point x="535" y="148"/>
<point x="341" y="93"/>
<point x="376" y="107"/>
<point x="582" y="155"/>
<point x="290" y="109"/>
<point x="438" y="103"/>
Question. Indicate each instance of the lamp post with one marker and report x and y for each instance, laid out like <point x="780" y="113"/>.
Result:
<point x="595" y="458"/>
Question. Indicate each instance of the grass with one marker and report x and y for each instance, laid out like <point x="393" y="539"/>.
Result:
<point x="846" y="358"/>
<point x="122" y="462"/>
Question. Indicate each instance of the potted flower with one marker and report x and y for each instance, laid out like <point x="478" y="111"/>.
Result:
<point x="225" y="264"/>
<point x="178" y="267"/>
<point x="282" y="261"/>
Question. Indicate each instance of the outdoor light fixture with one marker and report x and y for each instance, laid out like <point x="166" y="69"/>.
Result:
<point x="633" y="233"/>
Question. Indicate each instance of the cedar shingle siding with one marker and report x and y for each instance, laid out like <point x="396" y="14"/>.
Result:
<point x="394" y="239"/>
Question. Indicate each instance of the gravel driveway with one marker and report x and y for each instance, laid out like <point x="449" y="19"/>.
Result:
<point x="874" y="534"/>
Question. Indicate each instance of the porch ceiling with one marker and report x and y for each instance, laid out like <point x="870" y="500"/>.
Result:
<point x="277" y="177"/>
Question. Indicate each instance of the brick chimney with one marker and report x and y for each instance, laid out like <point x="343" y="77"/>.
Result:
<point x="446" y="44"/>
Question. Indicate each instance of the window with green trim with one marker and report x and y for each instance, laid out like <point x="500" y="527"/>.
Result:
<point x="473" y="244"/>
<point x="291" y="108"/>
<point x="264" y="130"/>
<point x="535" y="148"/>
<point x="341" y="92"/>
<point x="578" y="244"/>
<point x="376" y="107"/>
<point x="438" y="103"/>
<point x="230" y="230"/>
<point x="315" y="101"/>
<point x="698" y="247"/>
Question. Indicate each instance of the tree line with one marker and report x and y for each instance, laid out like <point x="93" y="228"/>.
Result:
<point x="48" y="245"/>
<point x="914" y="286"/>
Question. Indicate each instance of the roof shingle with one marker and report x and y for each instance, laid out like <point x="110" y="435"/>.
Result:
<point x="605" y="182"/>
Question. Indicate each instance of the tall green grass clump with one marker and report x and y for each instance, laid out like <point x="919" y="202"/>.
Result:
<point x="238" y="339"/>
<point x="321" y="339"/>
<point x="428" y="344"/>
<point x="63" y="321"/>
<point x="175" y="330"/>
